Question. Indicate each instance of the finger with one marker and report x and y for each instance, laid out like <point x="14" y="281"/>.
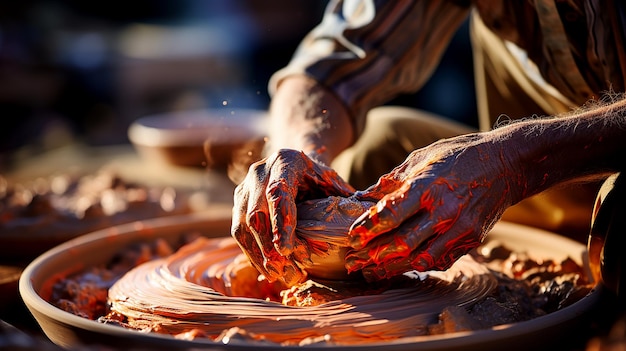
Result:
<point x="241" y="233"/>
<point x="328" y="179"/>
<point x="384" y="185"/>
<point x="446" y="249"/>
<point x="247" y="228"/>
<point x="257" y="212"/>
<point x="392" y="269"/>
<point x="280" y="243"/>
<point x="258" y="224"/>
<point x="281" y="197"/>
<point x="439" y="254"/>
<point x="283" y="219"/>
<point x="392" y="246"/>
<point x="294" y="175"/>
<point x="276" y="265"/>
<point x="392" y="209"/>
<point x="316" y="178"/>
<point x="252" y="227"/>
<point x="250" y="247"/>
<point x="388" y="213"/>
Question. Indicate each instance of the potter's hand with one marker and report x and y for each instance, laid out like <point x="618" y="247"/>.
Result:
<point x="264" y="212"/>
<point x="434" y="208"/>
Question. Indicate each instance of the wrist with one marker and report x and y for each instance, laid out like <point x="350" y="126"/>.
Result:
<point x="306" y="116"/>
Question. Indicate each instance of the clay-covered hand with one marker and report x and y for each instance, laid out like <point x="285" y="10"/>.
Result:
<point x="432" y="209"/>
<point x="264" y="212"/>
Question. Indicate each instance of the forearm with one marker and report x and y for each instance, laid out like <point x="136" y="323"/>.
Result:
<point x="370" y="53"/>
<point x="304" y="116"/>
<point x="583" y="146"/>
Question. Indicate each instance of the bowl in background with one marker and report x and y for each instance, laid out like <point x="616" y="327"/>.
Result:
<point x="68" y="330"/>
<point x="200" y="138"/>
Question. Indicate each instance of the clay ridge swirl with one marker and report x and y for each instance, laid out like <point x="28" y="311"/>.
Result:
<point x="209" y="287"/>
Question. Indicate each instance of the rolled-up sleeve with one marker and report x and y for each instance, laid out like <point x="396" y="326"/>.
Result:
<point x="368" y="51"/>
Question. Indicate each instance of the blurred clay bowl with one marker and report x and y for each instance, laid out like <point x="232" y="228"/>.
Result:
<point x="210" y="138"/>
<point x="69" y="330"/>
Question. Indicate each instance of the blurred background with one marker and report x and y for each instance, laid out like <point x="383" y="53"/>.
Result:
<point x="83" y="71"/>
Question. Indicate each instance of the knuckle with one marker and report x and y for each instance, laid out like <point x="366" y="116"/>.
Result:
<point x="237" y="232"/>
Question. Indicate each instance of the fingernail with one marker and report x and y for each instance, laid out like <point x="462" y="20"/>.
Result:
<point x="360" y="230"/>
<point x="372" y="273"/>
<point x="368" y="275"/>
<point x="356" y="241"/>
<point x="353" y="263"/>
<point x="364" y="222"/>
<point x="291" y="275"/>
<point x="380" y="272"/>
<point x="272" y="268"/>
<point x="301" y="254"/>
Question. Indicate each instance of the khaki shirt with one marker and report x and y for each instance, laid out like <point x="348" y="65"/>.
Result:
<point x="367" y="51"/>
